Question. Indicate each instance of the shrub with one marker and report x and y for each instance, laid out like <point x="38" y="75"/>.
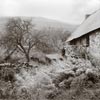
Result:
<point x="7" y="74"/>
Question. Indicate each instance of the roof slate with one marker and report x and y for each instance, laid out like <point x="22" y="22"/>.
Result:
<point x="90" y="24"/>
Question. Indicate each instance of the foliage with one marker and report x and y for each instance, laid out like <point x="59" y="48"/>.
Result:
<point x="78" y="79"/>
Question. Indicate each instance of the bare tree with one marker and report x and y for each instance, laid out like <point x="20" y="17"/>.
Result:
<point x="19" y="37"/>
<point x="51" y="40"/>
<point x="42" y="42"/>
<point x="59" y="39"/>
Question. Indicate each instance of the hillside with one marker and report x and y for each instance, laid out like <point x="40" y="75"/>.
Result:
<point x="49" y="23"/>
<point x="62" y="78"/>
<point x="42" y="23"/>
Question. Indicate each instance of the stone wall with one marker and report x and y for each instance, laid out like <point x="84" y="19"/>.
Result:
<point x="95" y="44"/>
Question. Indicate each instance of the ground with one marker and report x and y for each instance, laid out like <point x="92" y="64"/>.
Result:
<point x="64" y="78"/>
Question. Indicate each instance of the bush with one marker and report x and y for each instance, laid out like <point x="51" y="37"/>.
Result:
<point x="41" y="58"/>
<point x="52" y="94"/>
<point x="7" y="74"/>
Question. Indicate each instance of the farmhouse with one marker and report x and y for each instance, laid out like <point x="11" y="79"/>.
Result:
<point x="88" y="33"/>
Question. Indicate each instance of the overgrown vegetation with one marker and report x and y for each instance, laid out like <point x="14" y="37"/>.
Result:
<point x="33" y="67"/>
<point x="78" y="80"/>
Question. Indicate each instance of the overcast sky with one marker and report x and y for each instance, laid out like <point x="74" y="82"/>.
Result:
<point x="72" y="11"/>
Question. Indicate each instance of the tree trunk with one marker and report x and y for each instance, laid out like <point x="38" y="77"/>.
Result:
<point x="25" y="52"/>
<point x="27" y="57"/>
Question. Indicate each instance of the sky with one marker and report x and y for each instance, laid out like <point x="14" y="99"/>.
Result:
<point x="70" y="11"/>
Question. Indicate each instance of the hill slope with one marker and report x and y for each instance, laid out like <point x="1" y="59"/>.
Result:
<point x="40" y="23"/>
<point x="49" y="23"/>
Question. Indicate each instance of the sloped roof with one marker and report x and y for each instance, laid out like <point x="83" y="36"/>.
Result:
<point x="90" y="24"/>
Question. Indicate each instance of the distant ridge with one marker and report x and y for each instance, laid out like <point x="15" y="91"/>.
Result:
<point x="41" y="22"/>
